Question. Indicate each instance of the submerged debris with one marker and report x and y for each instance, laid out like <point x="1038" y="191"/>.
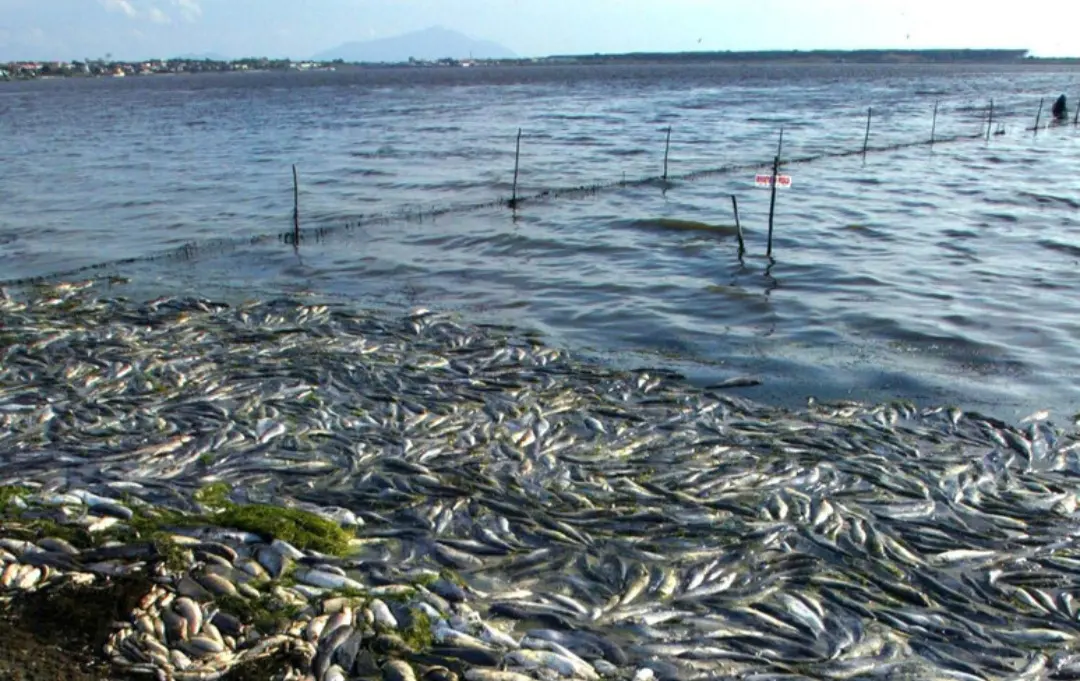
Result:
<point x="313" y="493"/>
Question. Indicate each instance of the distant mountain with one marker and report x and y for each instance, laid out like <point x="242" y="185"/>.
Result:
<point x="429" y="44"/>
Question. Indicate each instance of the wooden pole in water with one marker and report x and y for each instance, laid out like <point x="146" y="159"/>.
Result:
<point x="1076" y="116"/>
<point x="990" y="119"/>
<point x="1038" y="116"/>
<point x="933" y="126"/>
<point x="667" y="148"/>
<point x="866" y="139"/>
<point x="772" y="203"/>
<point x="517" y="159"/>
<point x="296" y="207"/>
<point x="738" y="225"/>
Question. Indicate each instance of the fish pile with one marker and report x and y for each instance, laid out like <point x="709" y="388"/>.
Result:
<point x="511" y="513"/>
<point x="219" y="598"/>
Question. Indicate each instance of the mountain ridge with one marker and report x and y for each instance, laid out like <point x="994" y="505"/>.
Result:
<point x="427" y="44"/>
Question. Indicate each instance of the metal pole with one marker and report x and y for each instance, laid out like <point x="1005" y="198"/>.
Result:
<point x="738" y="225"/>
<point x="933" y="126"/>
<point x="517" y="159"/>
<point x="866" y="139"/>
<point x="772" y="203"/>
<point x="296" y="206"/>
<point x="667" y="148"/>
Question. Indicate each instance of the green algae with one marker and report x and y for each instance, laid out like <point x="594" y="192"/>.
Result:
<point x="360" y="596"/>
<point x="425" y="580"/>
<point x="417" y="635"/>
<point x="36" y="529"/>
<point x="267" y="613"/>
<point x="9" y="494"/>
<point x="214" y="495"/>
<point x="452" y="576"/>
<point x="173" y="555"/>
<point x="302" y="529"/>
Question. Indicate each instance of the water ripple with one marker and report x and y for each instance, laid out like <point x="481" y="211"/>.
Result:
<point x="946" y="274"/>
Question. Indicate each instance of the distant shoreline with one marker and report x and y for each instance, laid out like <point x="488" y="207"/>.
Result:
<point x="29" y="70"/>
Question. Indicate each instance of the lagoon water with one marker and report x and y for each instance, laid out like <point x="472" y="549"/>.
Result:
<point x="949" y="275"/>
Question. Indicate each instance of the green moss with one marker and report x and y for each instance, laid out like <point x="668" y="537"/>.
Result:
<point x="452" y="577"/>
<point x="426" y="579"/>
<point x="418" y="634"/>
<point x="215" y="495"/>
<point x="302" y="529"/>
<point x="359" y="596"/>
<point x="8" y="494"/>
<point x="403" y="596"/>
<point x="145" y="523"/>
<point x="39" y="528"/>
<point x="172" y="554"/>
<point x="78" y="537"/>
<point x="267" y="613"/>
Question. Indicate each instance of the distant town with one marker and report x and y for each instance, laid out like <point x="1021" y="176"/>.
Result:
<point x="25" y="70"/>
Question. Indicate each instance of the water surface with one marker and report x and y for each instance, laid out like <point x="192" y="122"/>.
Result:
<point x="943" y="275"/>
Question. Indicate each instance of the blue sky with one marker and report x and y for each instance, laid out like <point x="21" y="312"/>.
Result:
<point x="135" y="29"/>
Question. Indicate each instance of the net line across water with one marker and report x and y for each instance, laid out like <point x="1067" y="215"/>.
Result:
<point x="194" y="249"/>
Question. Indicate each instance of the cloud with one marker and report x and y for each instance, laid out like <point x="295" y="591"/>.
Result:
<point x="157" y="16"/>
<point x="190" y="9"/>
<point x="120" y="6"/>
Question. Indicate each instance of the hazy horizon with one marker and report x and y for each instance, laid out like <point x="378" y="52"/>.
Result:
<point x="142" y="29"/>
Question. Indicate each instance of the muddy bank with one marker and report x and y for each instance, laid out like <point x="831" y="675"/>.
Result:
<point x="58" y="633"/>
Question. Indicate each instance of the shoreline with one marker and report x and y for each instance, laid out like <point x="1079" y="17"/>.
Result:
<point x="22" y="70"/>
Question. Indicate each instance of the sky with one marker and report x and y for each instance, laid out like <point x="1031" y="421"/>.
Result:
<point x="297" y="29"/>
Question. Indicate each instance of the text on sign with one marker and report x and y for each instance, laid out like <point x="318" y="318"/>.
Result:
<point x="766" y="180"/>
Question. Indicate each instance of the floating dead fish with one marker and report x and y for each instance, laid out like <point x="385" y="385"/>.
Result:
<point x="416" y="497"/>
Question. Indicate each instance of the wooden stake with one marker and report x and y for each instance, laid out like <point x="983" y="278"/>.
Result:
<point x="933" y="126"/>
<point x="517" y="158"/>
<point x="667" y="148"/>
<point x="738" y="225"/>
<point x="1076" y="116"/>
<point x="296" y="207"/>
<point x="772" y="203"/>
<point x="1038" y="116"/>
<point x="866" y="139"/>
<point x="990" y="119"/>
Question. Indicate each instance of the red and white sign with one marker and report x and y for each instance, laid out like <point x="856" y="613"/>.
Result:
<point x="783" y="181"/>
